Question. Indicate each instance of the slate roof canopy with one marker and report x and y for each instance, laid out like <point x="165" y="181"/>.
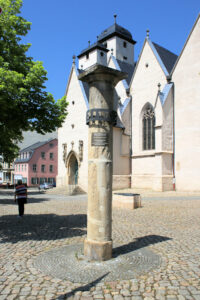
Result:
<point x="116" y="30"/>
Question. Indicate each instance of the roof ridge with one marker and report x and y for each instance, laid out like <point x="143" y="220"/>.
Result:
<point x="33" y="146"/>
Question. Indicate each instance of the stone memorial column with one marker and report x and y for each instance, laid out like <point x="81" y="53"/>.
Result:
<point x="100" y="118"/>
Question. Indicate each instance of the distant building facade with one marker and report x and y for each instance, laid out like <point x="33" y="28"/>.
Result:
<point x="7" y="172"/>
<point x="37" y="163"/>
<point x="156" y="142"/>
<point x="1" y="167"/>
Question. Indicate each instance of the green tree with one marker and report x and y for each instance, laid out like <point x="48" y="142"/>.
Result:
<point x="24" y="102"/>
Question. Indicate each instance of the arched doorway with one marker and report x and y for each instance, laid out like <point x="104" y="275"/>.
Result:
<point x="73" y="170"/>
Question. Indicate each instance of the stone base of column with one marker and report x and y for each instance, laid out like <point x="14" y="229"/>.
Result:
<point x="98" y="250"/>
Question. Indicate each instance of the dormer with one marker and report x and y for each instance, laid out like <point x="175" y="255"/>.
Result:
<point x="96" y="53"/>
<point x="119" y="42"/>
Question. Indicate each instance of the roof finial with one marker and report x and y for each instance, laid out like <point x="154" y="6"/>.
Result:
<point x="74" y="58"/>
<point x="112" y="51"/>
<point x="88" y="43"/>
<point x="97" y="38"/>
<point x="159" y="85"/>
<point x="115" y="16"/>
<point x="147" y="31"/>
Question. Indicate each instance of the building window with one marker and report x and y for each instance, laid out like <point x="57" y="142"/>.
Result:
<point x="51" y="168"/>
<point x="124" y="44"/>
<point x="19" y="168"/>
<point x="34" y="168"/>
<point x="25" y="168"/>
<point x="87" y="56"/>
<point x="43" y="168"/>
<point x="101" y="53"/>
<point x="34" y="180"/>
<point x="51" y="180"/>
<point x="51" y="155"/>
<point x="148" y="122"/>
<point x="125" y="58"/>
<point x="43" y="180"/>
<point x="51" y="145"/>
<point x="22" y="167"/>
<point x="24" y="180"/>
<point x="43" y="155"/>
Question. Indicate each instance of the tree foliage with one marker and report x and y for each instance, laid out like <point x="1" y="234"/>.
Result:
<point x="24" y="102"/>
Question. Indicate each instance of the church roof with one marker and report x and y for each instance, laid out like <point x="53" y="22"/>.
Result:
<point x="116" y="30"/>
<point x="127" y="68"/>
<point x="168" y="58"/>
<point x="165" y="92"/>
<point x="124" y="67"/>
<point x="84" y="84"/>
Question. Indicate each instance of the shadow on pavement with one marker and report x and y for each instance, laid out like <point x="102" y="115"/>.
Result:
<point x="138" y="244"/>
<point x="41" y="227"/>
<point x="7" y="201"/>
<point x="84" y="288"/>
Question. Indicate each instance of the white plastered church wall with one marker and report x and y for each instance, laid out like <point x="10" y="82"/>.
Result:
<point x="121" y="141"/>
<point x="186" y="77"/>
<point x="73" y="130"/>
<point x="147" y="165"/>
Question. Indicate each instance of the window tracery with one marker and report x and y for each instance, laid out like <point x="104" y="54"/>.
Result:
<point x="148" y="122"/>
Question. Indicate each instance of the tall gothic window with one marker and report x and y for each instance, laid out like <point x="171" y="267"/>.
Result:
<point x="148" y="122"/>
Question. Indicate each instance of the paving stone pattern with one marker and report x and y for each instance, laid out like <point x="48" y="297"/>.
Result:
<point x="68" y="261"/>
<point x="170" y="229"/>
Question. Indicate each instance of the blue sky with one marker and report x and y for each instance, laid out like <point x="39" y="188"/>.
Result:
<point x="62" y="28"/>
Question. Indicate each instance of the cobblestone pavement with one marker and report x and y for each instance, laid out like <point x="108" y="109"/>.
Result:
<point x="169" y="228"/>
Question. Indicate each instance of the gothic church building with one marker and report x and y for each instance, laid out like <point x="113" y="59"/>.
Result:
<point x="156" y="141"/>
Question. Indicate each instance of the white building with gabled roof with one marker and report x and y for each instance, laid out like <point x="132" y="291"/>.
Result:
<point x="149" y="147"/>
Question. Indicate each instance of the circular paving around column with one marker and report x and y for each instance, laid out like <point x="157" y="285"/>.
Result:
<point x="69" y="263"/>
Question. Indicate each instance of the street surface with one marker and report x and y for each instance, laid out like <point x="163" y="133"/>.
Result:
<point x="169" y="226"/>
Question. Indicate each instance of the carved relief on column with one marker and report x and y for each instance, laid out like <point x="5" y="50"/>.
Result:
<point x="80" y="150"/>
<point x="64" y="152"/>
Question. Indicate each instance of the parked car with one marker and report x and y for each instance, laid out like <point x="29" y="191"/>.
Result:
<point x="45" y="186"/>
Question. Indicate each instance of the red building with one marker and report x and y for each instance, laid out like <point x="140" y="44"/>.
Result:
<point x="38" y="163"/>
